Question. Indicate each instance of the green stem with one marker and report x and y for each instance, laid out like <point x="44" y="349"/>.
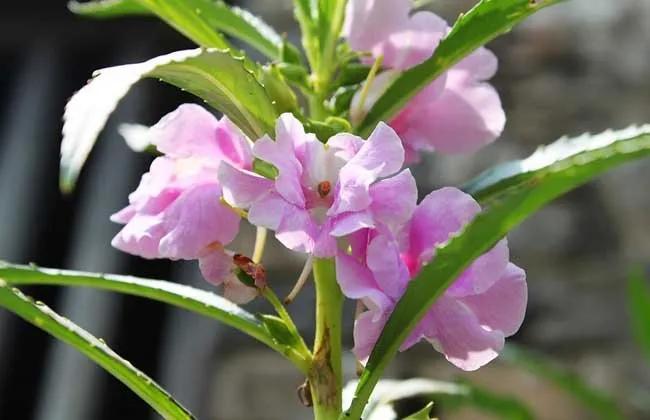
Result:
<point x="325" y="375"/>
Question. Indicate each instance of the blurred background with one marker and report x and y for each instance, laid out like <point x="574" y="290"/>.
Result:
<point x="580" y="66"/>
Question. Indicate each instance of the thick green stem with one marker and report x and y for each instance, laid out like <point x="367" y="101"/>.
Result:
<point x="325" y="375"/>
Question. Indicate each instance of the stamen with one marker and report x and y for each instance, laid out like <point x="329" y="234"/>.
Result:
<point x="324" y="188"/>
<point x="300" y="283"/>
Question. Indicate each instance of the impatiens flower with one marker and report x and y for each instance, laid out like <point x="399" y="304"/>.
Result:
<point x="457" y="113"/>
<point x="323" y="191"/>
<point x="176" y="212"/>
<point x="470" y="321"/>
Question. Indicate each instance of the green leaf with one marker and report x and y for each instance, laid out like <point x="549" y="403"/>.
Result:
<point x="196" y="300"/>
<point x="281" y="95"/>
<point x="39" y="315"/>
<point x="638" y="298"/>
<point x="447" y="395"/>
<point x="223" y="80"/>
<point x="199" y="20"/>
<point x="602" y="405"/>
<point x="108" y="8"/>
<point x="484" y="22"/>
<point x="423" y="414"/>
<point x="565" y="166"/>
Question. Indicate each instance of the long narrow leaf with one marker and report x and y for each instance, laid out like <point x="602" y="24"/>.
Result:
<point x="486" y="21"/>
<point x="186" y="297"/>
<point x="218" y="77"/>
<point x="502" y="212"/>
<point x="638" y="298"/>
<point x="449" y="395"/>
<point x="199" y="20"/>
<point x="65" y="330"/>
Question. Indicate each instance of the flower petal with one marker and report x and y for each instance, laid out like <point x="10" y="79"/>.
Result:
<point x="195" y="220"/>
<point x="351" y="222"/>
<point x="297" y="230"/>
<point x="282" y="156"/>
<point x="367" y="328"/>
<point x="503" y="306"/>
<point x="383" y="260"/>
<point x="381" y="155"/>
<point x="187" y="131"/>
<point x="141" y="236"/>
<point x="368" y="21"/>
<point x="268" y="211"/>
<point x="241" y="188"/>
<point x="455" y="331"/>
<point x="394" y="199"/>
<point x="216" y="265"/>
<point x="357" y="282"/>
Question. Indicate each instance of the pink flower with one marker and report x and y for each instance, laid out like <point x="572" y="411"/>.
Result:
<point x="323" y="191"/>
<point x="457" y="113"/>
<point x="176" y="212"/>
<point x="470" y="321"/>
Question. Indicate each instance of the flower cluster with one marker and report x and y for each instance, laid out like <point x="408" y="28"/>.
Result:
<point x="344" y="197"/>
<point x="457" y="113"/>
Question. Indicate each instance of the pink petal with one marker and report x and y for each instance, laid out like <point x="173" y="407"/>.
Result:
<point x="345" y="145"/>
<point x="381" y="155"/>
<point x="456" y="332"/>
<point x="357" y="282"/>
<point x="283" y="157"/>
<point x="241" y="188"/>
<point x="465" y="117"/>
<point x="141" y="236"/>
<point x="383" y="260"/>
<point x="484" y="272"/>
<point x="368" y="21"/>
<point x="216" y="266"/>
<point x="297" y="230"/>
<point x="367" y="329"/>
<point x="414" y="42"/>
<point x="187" y="131"/>
<point x="237" y="292"/>
<point x="233" y="144"/>
<point x="269" y="210"/>
<point x="394" y="199"/>
<point x="124" y="216"/>
<point x="503" y="306"/>
<point x="351" y="222"/>
<point x="440" y="214"/>
<point x="196" y="220"/>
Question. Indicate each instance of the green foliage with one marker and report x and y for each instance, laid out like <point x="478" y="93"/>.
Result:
<point x="638" y="298"/>
<point x="196" y="300"/>
<point x="601" y="405"/>
<point x="448" y="396"/>
<point x="39" y="315"/>
<point x="225" y="81"/>
<point x="199" y="20"/>
<point x="423" y="414"/>
<point x="563" y="167"/>
<point x="484" y="22"/>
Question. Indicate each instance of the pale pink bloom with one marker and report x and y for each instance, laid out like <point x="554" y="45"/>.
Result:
<point x="457" y="113"/>
<point x="470" y="321"/>
<point x="176" y="212"/>
<point x="323" y="191"/>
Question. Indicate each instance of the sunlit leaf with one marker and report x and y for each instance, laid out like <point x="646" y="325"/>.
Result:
<point x="220" y="78"/>
<point x="196" y="300"/>
<point x="39" y="315"/>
